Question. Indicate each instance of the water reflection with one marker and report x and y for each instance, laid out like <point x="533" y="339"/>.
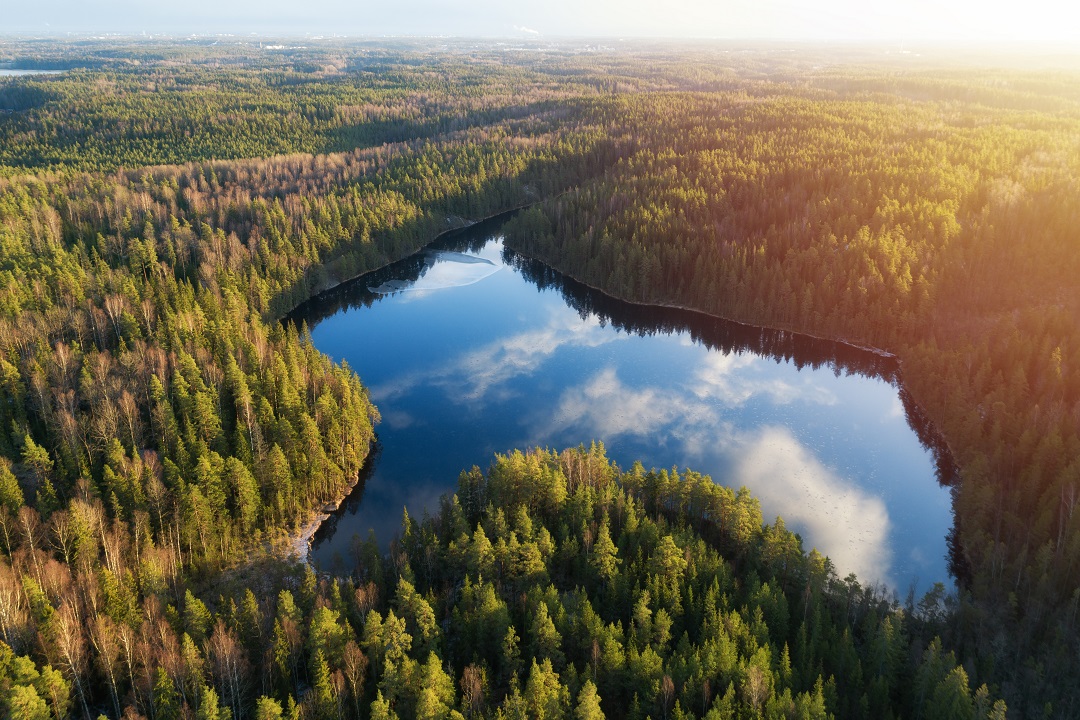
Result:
<point x="441" y="270"/>
<point x="839" y="515"/>
<point x="714" y="333"/>
<point x="473" y="374"/>
<point x="8" y="72"/>
<point x="464" y="361"/>
<point x="785" y="475"/>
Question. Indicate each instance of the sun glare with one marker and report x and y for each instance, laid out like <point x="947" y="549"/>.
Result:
<point x="1042" y="22"/>
<point x="963" y="21"/>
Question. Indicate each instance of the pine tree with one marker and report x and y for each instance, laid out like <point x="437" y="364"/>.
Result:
<point x="166" y="699"/>
<point x="323" y="691"/>
<point x="588" y="703"/>
<point x="605" y="556"/>
<point x="267" y="709"/>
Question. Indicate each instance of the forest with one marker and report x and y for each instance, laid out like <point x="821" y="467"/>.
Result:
<point x="164" y="205"/>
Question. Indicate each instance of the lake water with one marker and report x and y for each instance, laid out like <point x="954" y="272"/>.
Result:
<point x="6" y="72"/>
<point x="469" y="349"/>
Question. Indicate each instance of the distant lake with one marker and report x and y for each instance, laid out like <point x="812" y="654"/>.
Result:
<point x="18" y="73"/>
<point x="469" y="349"/>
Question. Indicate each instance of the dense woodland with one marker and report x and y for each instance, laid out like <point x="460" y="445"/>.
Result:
<point x="162" y="207"/>
<point x="946" y="234"/>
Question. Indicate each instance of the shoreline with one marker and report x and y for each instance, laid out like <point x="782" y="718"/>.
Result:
<point x="697" y="311"/>
<point x="299" y="542"/>
<point x="465" y="225"/>
<point x="903" y="385"/>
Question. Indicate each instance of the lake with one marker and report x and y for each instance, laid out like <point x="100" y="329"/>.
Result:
<point x="469" y="349"/>
<point x="7" y="72"/>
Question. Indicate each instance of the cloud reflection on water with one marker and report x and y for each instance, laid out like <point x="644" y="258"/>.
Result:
<point x="443" y="270"/>
<point x="831" y="512"/>
<point x="694" y="413"/>
<point x="473" y="374"/>
<point x="730" y="378"/>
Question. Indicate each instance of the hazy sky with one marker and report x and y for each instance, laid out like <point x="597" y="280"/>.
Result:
<point x="993" y="21"/>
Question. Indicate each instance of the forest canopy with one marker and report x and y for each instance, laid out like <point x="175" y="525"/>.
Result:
<point x="164" y="205"/>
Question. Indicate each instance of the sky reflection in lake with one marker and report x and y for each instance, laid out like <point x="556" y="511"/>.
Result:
<point x="466" y="357"/>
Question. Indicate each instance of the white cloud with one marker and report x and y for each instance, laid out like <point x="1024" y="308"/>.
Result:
<point x="895" y="411"/>
<point x="474" y="374"/>
<point x="832" y="513"/>
<point x="690" y="416"/>
<point x="398" y="419"/>
<point x="835" y="516"/>
<point x="607" y="408"/>
<point x="445" y="270"/>
<point x="731" y="379"/>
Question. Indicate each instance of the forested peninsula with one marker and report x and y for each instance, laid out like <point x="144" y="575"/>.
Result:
<point x="163" y="205"/>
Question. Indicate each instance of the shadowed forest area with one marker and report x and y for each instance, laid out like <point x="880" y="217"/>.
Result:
<point x="162" y="432"/>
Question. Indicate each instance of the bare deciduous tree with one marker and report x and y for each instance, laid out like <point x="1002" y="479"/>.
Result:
<point x="230" y="667"/>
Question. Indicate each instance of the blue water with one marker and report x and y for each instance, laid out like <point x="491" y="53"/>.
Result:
<point x="6" y="72"/>
<point x="469" y="349"/>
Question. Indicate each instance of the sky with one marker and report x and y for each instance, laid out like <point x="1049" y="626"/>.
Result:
<point x="1054" y="22"/>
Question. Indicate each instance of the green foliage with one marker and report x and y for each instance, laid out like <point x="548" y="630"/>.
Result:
<point x="165" y="698"/>
<point x="197" y="619"/>
<point x="11" y="495"/>
<point x="165" y="427"/>
<point x="267" y="708"/>
<point x="661" y="637"/>
<point x="588" y="703"/>
<point x="25" y="704"/>
<point x="919" y="213"/>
